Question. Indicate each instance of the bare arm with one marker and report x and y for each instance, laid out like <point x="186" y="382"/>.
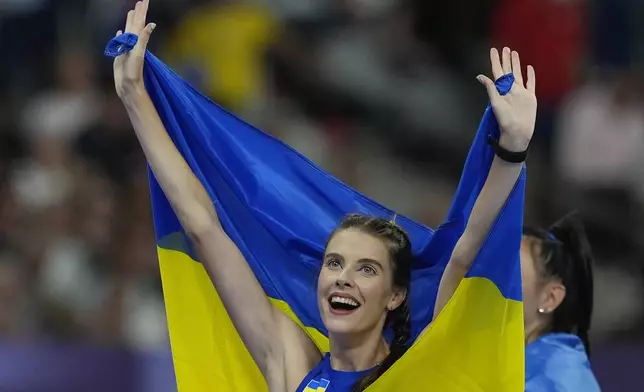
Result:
<point x="497" y="188"/>
<point x="516" y="114"/>
<point x="264" y="330"/>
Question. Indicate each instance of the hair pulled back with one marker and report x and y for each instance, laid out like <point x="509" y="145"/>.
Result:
<point x="565" y="254"/>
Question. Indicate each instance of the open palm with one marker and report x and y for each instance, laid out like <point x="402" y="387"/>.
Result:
<point x="516" y="111"/>
<point x="128" y="67"/>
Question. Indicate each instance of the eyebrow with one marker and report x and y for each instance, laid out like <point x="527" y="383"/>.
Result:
<point x="372" y="261"/>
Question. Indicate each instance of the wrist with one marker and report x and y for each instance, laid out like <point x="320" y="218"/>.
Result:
<point x="514" y="143"/>
<point x="514" y="151"/>
<point x="132" y="96"/>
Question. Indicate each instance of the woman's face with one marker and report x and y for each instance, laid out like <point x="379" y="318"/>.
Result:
<point x="355" y="286"/>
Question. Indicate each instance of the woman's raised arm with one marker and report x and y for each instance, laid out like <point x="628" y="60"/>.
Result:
<point x="516" y="114"/>
<point x="277" y="344"/>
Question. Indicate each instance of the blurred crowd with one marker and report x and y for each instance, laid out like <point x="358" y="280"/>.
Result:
<point x="381" y="93"/>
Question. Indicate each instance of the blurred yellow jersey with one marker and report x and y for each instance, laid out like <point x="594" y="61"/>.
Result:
<point x="220" y="50"/>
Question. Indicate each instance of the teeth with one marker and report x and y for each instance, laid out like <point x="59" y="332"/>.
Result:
<point x="348" y="301"/>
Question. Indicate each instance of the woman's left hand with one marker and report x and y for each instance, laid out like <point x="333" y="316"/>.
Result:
<point x="516" y="111"/>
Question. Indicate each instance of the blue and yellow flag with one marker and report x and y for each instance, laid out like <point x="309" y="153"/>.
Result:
<point x="279" y="208"/>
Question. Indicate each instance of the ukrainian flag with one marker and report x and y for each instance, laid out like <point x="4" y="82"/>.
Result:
<point x="279" y="208"/>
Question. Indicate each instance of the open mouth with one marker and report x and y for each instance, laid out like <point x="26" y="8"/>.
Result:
<point x="343" y="304"/>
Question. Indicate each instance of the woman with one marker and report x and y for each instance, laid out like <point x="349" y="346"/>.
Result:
<point x="364" y="280"/>
<point x="558" y="301"/>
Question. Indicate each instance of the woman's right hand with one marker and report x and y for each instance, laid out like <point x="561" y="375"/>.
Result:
<point x="128" y="67"/>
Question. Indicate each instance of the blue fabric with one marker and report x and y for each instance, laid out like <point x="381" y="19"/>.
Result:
<point x="558" y="363"/>
<point x="279" y="208"/>
<point x="323" y="378"/>
<point x="121" y="44"/>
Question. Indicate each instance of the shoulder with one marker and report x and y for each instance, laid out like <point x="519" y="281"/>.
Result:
<point x="558" y="363"/>
<point x="317" y="377"/>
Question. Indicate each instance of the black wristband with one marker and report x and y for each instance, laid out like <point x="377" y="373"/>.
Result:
<point x="508" y="156"/>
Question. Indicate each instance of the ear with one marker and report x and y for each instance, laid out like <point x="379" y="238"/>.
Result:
<point x="396" y="299"/>
<point x="552" y="295"/>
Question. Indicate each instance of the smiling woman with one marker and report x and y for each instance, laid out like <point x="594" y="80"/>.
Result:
<point x="362" y="288"/>
<point x="365" y="279"/>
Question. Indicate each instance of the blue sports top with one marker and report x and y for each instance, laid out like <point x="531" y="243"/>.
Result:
<point x="323" y="378"/>
<point x="557" y="362"/>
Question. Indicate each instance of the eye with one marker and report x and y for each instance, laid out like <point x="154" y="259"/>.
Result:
<point x="333" y="263"/>
<point x="368" y="270"/>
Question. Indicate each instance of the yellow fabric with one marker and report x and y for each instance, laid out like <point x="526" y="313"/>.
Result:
<point x="209" y="355"/>
<point x="479" y="333"/>
<point x="207" y="351"/>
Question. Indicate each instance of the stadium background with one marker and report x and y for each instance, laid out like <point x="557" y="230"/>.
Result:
<point x="382" y="93"/>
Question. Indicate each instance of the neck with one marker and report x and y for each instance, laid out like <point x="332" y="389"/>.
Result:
<point x="353" y="352"/>
<point x="533" y="332"/>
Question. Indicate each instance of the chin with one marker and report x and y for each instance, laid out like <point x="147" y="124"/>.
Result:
<point x="340" y="326"/>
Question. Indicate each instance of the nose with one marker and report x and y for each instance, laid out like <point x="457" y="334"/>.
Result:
<point x="343" y="282"/>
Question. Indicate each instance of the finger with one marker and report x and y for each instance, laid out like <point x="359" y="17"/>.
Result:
<point x="130" y="20"/>
<point x="492" y="92"/>
<point x="145" y="5"/>
<point x="139" y="16"/>
<point x="516" y="69"/>
<point x="506" y="61"/>
<point x="144" y="38"/>
<point x="497" y="70"/>
<point x="532" y="80"/>
<point x="119" y="33"/>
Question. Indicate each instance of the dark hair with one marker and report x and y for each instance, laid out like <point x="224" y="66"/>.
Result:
<point x="565" y="254"/>
<point x="399" y="247"/>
